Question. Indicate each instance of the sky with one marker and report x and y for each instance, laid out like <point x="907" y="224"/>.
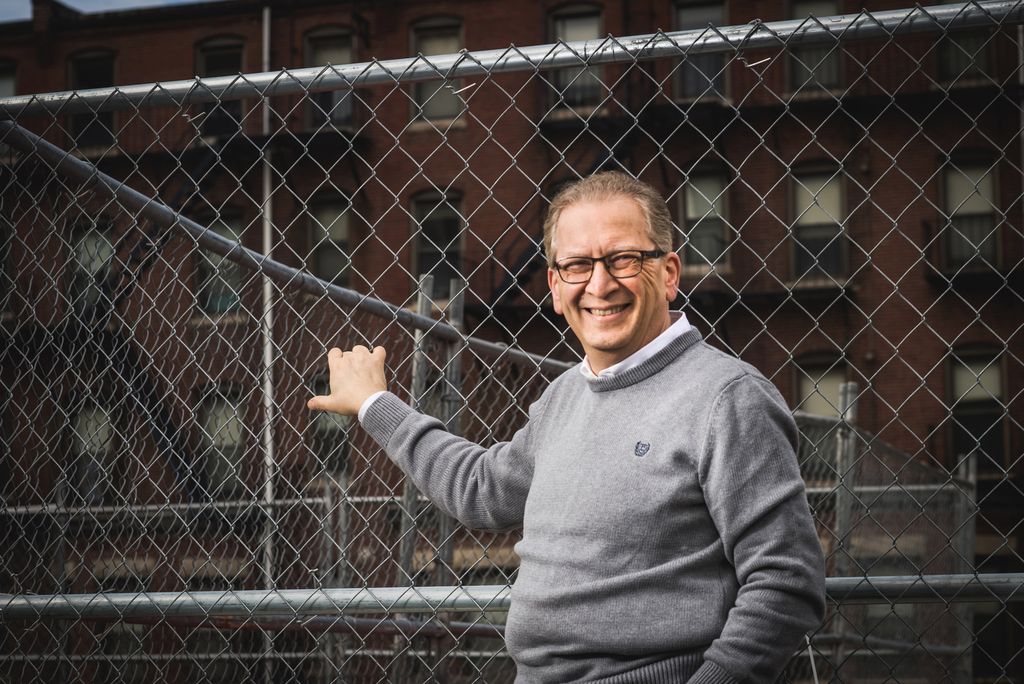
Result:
<point x="18" y="10"/>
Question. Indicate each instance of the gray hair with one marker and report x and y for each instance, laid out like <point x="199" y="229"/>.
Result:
<point x="605" y="185"/>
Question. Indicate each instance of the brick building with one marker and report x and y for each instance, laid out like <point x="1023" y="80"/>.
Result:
<point x="845" y="214"/>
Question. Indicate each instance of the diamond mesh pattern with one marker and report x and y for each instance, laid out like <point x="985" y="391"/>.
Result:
<point x="175" y="259"/>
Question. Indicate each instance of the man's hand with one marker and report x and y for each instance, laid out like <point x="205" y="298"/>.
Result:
<point x="355" y="375"/>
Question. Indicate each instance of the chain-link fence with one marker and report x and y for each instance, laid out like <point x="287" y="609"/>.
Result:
<point x="175" y="259"/>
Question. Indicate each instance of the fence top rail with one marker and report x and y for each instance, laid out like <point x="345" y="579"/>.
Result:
<point x="300" y="602"/>
<point x="608" y="50"/>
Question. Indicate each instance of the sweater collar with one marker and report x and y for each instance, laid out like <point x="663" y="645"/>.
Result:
<point x="648" y="367"/>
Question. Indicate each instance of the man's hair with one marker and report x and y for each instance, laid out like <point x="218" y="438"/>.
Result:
<point x="605" y="185"/>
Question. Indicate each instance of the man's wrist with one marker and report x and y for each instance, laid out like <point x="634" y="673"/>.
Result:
<point x="365" y="406"/>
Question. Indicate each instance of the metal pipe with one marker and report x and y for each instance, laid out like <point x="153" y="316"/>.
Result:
<point x="255" y="602"/>
<point x="1003" y="588"/>
<point x="752" y="36"/>
<point x="91" y="178"/>
<point x="157" y="510"/>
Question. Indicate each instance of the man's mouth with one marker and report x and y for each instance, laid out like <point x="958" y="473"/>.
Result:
<point x="606" y="311"/>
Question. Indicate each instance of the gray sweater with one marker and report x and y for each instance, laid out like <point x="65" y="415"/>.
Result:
<point x="666" y="531"/>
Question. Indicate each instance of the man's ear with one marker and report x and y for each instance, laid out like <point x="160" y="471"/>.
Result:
<point x="673" y="267"/>
<point x="556" y="299"/>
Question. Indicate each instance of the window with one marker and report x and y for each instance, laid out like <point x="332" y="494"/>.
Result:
<point x="705" y="225"/>
<point x="223" y="444"/>
<point x="963" y="55"/>
<point x="814" y="65"/>
<point x="436" y="100"/>
<point x="93" y="250"/>
<point x="969" y="208"/>
<point x="701" y="75"/>
<point x="94" y="445"/>
<point x="329" y="241"/>
<point x="327" y="437"/>
<point x="577" y="87"/>
<point x="817" y="384"/>
<point x="222" y="57"/>
<point x="94" y="70"/>
<point x="978" y="412"/>
<point x="329" y="47"/>
<point x="439" y="224"/>
<point x="817" y="227"/>
<point x="220" y="280"/>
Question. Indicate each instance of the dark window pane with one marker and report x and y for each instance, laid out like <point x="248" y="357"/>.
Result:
<point x="964" y="55"/>
<point x="92" y="128"/>
<point x="438" y="250"/>
<point x="819" y="251"/>
<point x="221" y="118"/>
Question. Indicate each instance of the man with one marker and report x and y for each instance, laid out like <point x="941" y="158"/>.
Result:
<point x="666" y="531"/>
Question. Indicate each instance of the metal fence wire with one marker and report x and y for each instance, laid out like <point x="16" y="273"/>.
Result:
<point x="175" y="258"/>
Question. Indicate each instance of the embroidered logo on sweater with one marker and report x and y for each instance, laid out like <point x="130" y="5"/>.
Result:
<point x="641" y="448"/>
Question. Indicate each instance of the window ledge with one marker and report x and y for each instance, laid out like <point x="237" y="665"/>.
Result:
<point x="721" y="100"/>
<point x="818" y="286"/>
<point x="814" y="94"/>
<point x="965" y="82"/>
<point x="437" y="125"/>
<point x="560" y="113"/>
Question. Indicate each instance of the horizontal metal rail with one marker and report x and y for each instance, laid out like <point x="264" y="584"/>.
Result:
<point x="90" y="178"/>
<point x="753" y="36"/>
<point x="300" y="602"/>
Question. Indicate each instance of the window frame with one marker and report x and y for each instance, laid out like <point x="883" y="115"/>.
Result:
<point x="116" y="446"/>
<point x="809" y="277"/>
<point x="454" y="199"/>
<point x="994" y="356"/>
<point x="341" y="108"/>
<point x="206" y="271"/>
<point x="804" y="369"/>
<point x="556" y="92"/>
<point x="97" y="128"/>
<point x="971" y="74"/>
<point x="88" y="297"/>
<point x="8" y="66"/>
<point x="220" y="118"/>
<point x="714" y="92"/>
<point x="948" y="233"/>
<point x="233" y="486"/>
<point x="724" y="264"/>
<point x="423" y="92"/>
<point x="313" y="224"/>
<point x="811" y="86"/>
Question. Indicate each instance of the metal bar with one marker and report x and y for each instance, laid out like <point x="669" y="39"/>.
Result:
<point x="91" y="178"/>
<point x="1007" y="587"/>
<point x="461" y="65"/>
<point x="255" y="602"/>
<point x="420" y="363"/>
<point x="169" y="508"/>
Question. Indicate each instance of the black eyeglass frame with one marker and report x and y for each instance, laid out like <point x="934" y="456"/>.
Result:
<point x="644" y="255"/>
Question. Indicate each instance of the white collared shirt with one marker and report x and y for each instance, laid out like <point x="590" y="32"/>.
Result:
<point x="680" y="327"/>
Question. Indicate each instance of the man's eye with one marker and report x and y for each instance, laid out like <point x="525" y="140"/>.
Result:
<point x="624" y="260"/>
<point x="576" y="266"/>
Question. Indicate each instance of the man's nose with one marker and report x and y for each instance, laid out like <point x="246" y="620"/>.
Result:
<point x="601" y="281"/>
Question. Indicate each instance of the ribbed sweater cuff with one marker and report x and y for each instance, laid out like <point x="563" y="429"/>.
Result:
<point x="384" y="416"/>
<point x="710" y="673"/>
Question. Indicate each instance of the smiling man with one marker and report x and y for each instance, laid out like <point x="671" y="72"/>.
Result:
<point x="666" y="531"/>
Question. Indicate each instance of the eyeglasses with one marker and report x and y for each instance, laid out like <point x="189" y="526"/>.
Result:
<point x="625" y="264"/>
